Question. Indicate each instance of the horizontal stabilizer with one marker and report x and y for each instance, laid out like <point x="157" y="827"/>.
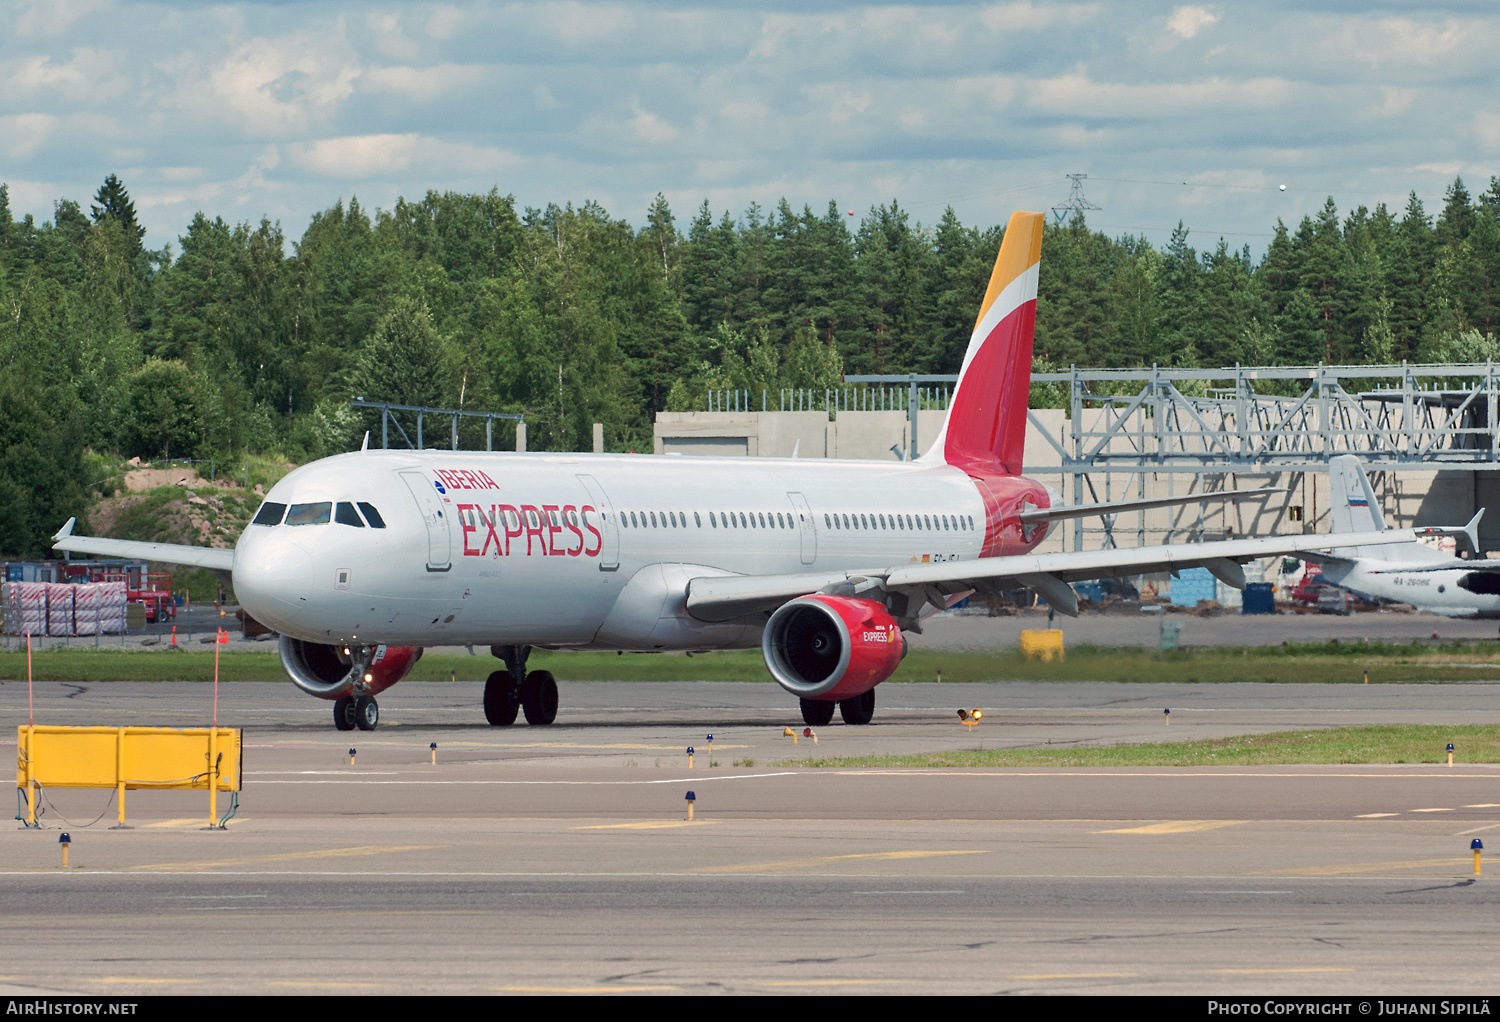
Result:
<point x="215" y="558"/>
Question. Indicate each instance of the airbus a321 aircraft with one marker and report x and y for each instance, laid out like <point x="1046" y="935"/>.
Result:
<point x="1412" y="573"/>
<point x="362" y="559"/>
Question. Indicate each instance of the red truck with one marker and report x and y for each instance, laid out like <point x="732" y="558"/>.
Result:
<point x="1313" y="592"/>
<point x="153" y="589"/>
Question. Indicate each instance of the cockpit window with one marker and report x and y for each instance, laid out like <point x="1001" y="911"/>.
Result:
<point x="345" y="514"/>
<point x="371" y="515"/>
<point x="310" y="514"/>
<point x="269" y="514"/>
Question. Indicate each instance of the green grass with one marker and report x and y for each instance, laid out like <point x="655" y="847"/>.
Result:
<point x="1408" y="743"/>
<point x="1418" y="662"/>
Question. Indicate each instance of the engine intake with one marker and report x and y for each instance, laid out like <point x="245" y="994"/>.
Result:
<point x="831" y="647"/>
<point x="328" y="671"/>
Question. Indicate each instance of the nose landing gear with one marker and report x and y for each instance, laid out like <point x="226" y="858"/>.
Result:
<point x="358" y="708"/>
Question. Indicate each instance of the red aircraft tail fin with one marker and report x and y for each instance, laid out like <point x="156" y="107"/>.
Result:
<point x="986" y="425"/>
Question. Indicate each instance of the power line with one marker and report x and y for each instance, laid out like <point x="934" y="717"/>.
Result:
<point x="1198" y="184"/>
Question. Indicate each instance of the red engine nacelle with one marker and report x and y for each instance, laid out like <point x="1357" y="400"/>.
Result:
<point x="831" y="647"/>
<point x="327" y="671"/>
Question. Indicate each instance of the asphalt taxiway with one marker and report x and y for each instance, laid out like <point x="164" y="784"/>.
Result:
<point x="560" y="859"/>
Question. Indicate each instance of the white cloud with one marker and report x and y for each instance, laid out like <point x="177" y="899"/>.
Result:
<point x="1080" y="95"/>
<point x="1487" y="127"/>
<point x="1397" y="101"/>
<point x="1447" y="168"/>
<point x="389" y="38"/>
<point x="1013" y="17"/>
<point x="544" y="98"/>
<point x="421" y="83"/>
<point x="1187" y="22"/>
<point x="23" y="133"/>
<point x="276" y="86"/>
<point x="443" y="21"/>
<point x="52" y="17"/>
<point x="1403" y="41"/>
<point x="358" y="157"/>
<point x="89" y="75"/>
<point x="650" y="128"/>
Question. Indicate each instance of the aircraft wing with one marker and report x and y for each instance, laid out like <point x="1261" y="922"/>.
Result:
<point x="1065" y="511"/>
<point x="733" y="596"/>
<point x="215" y="558"/>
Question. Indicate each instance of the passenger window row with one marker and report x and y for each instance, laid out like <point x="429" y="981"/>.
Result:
<point x="779" y="520"/>
<point x="318" y="513"/>
<point x="657" y="519"/>
<point x="925" y="523"/>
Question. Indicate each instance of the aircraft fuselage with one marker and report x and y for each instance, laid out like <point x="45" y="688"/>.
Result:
<point x="590" y="551"/>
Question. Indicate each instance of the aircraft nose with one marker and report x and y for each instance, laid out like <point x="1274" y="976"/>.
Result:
<point x="272" y="579"/>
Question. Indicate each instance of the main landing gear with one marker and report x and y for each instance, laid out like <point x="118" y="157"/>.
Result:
<point x="858" y="709"/>
<point x="350" y="712"/>
<point x="536" y="694"/>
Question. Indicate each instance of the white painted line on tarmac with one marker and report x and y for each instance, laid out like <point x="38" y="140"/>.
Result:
<point x="670" y="780"/>
<point x="1164" y="772"/>
<point x="576" y="875"/>
<point x="1477" y="830"/>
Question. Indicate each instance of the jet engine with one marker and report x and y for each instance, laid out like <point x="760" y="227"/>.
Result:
<point x="1483" y="583"/>
<point x="831" y="647"/>
<point x="328" y="671"/>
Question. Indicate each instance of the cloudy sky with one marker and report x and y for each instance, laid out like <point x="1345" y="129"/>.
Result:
<point x="1196" y="112"/>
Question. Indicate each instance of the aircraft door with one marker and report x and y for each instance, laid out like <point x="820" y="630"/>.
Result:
<point x="434" y="514"/>
<point x="609" y="550"/>
<point x="805" y="524"/>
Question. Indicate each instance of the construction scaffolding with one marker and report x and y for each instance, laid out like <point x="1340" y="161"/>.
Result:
<point x="1280" y="422"/>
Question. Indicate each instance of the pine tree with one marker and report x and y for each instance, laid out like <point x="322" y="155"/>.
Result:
<point x="113" y="201"/>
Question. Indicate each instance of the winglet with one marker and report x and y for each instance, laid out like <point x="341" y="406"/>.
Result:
<point x="1469" y="532"/>
<point x="1472" y="530"/>
<point x="67" y="530"/>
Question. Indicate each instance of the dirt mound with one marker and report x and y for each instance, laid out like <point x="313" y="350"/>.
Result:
<point x="141" y="480"/>
<point x="184" y="516"/>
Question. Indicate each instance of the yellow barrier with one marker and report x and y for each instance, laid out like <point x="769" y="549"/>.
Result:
<point x="1042" y="642"/>
<point x="128" y="758"/>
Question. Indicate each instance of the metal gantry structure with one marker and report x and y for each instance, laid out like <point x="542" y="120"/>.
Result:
<point x="388" y="418"/>
<point x="1267" y="420"/>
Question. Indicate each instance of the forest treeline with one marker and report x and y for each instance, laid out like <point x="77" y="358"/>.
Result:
<point x="237" y="339"/>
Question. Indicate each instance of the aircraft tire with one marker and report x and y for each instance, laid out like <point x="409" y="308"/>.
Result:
<point x="817" y="712"/>
<point x="539" y="698"/>
<point x="859" y="709"/>
<point x="500" y="702"/>
<point x="366" y="713"/>
<point x="343" y="713"/>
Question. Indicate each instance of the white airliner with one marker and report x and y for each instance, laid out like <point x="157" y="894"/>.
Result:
<point x="363" y="559"/>
<point x="1413" y="573"/>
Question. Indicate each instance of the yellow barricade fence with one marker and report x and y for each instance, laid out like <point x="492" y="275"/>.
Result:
<point x="1042" y="642"/>
<point x="128" y="758"/>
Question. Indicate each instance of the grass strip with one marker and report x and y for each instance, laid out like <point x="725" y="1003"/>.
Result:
<point x="1402" y="743"/>
<point x="1416" y="662"/>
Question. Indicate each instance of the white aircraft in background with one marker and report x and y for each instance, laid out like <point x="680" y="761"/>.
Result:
<point x="361" y="560"/>
<point x="1413" y="573"/>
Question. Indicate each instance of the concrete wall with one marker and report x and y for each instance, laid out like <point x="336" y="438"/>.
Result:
<point x="753" y="434"/>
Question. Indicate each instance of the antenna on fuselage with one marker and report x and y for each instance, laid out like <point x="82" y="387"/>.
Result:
<point x="366" y="445"/>
<point x="796" y="447"/>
